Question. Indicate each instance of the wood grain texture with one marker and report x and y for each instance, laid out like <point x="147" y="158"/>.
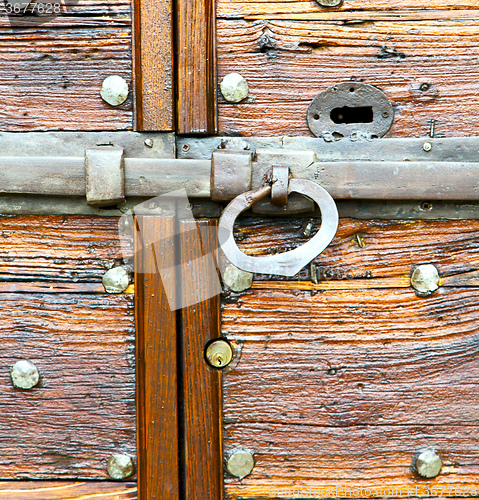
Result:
<point x="153" y="65"/>
<point x="391" y="248"/>
<point x="196" y="66"/>
<point x="156" y="368"/>
<point x="52" y="72"/>
<point x="203" y="461"/>
<point x="288" y="62"/>
<point x="84" y="407"/>
<point x="63" y="490"/>
<point x="345" y="388"/>
<point x="60" y="249"/>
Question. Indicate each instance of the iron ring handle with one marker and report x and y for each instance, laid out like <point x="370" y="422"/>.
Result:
<point x="287" y="263"/>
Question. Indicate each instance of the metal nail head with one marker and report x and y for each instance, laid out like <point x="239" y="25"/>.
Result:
<point x="425" y="279"/>
<point x="114" y="90"/>
<point x="116" y="280"/>
<point x="427" y="146"/>
<point x="428" y="464"/>
<point x="330" y="3"/>
<point x="24" y="375"/>
<point x="120" y="466"/>
<point x="240" y="464"/>
<point x="219" y="353"/>
<point x="234" y="88"/>
<point x="236" y="279"/>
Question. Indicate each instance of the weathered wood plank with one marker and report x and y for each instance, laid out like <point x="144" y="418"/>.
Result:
<point x="42" y="490"/>
<point x="84" y="407"/>
<point x="60" y="248"/>
<point x="280" y="61"/>
<point x="203" y="461"/>
<point x="51" y="78"/>
<point x="388" y="248"/>
<point x="153" y="65"/>
<point x="156" y="365"/>
<point x="343" y="388"/>
<point x="196" y="60"/>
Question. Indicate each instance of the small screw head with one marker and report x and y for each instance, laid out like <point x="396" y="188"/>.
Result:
<point x="425" y="279"/>
<point x="236" y="279"/>
<point x="427" y="146"/>
<point x="114" y="90"/>
<point x="120" y="466"/>
<point x="149" y="143"/>
<point x="185" y="148"/>
<point x="219" y="354"/>
<point x="115" y="280"/>
<point x="385" y="114"/>
<point x="234" y="88"/>
<point x="240" y="464"/>
<point x="428" y="464"/>
<point x="24" y="375"/>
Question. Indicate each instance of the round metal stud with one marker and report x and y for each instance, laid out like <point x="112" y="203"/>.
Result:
<point x="114" y="90"/>
<point x="236" y="279"/>
<point x="425" y="279"/>
<point x="219" y="353"/>
<point x="234" y="88"/>
<point x="240" y="464"/>
<point x="427" y="146"/>
<point x="115" y="280"/>
<point x="330" y="3"/>
<point x="120" y="466"/>
<point x="24" y="375"/>
<point x="428" y="464"/>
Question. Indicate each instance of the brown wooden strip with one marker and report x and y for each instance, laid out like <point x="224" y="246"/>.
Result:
<point x="196" y="60"/>
<point x="63" y="490"/>
<point x="60" y="249"/>
<point x="280" y="60"/>
<point x="83" y="409"/>
<point x="153" y="65"/>
<point x="52" y="77"/>
<point x="201" y="384"/>
<point x="384" y="248"/>
<point x="157" y="417"/>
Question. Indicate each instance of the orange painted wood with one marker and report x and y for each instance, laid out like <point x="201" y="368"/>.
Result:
<point x="156" y="368"/>
<point x="153" y="65"/>
<point x="196" y="66"/>
<point x="63" y="490"/>
<point x="201" y="384"/>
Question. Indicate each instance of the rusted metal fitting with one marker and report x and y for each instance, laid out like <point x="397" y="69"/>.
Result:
<point x="240" y="464"/>
<point x="116" y="280"/>
<point x="231" y="173"/>
<point x="120" y="466"/>
<point x="105" y="176"/>
<point x="428" y="464"/>
<point x="219" y="353"/>
<point x="425" y="279"/>
<point x="24" y="375"/>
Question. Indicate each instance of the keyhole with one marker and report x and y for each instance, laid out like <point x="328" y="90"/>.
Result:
<point x="352" y="115"/>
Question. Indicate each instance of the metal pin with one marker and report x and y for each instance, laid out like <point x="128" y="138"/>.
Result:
<point x="432" y="126"/>
<point x="359" y="241"/>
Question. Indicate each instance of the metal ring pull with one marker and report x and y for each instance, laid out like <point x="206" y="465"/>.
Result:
<point x="287" y="263"/>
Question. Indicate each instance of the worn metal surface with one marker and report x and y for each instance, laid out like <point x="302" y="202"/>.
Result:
<point x="350" y="109"/>
<point x="425" y="279"/>
<point x="104" y="176"/>
<point x="25" y="374"/>
<point x="428" y="464"/>
<point x="240" y="464"/>
<point x="236" y="279"/>
<point x="234" y="88"/>
<point x="287" y="263"/>
<point x="114" y="90"/>
<point x="120" y="466"/>
<point x="116" y="280"/>
<point x="231" y="172"/>
<point x="279" y="185"/>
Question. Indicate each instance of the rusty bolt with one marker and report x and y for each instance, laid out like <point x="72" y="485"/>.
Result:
<point x="114" y="90"/>
<point x="236" y="279"/>
<point x="425" y="279"/>
<point x="427" y="146"/>
<point x="234" y="88"/>
<point x="219" y="353"/>
<point x="120" y="466"/>
<point x="115" y="280"/>
<point x="240" y="464"/>
<point x="428" y="464"/>
<point x="25" y="375"/>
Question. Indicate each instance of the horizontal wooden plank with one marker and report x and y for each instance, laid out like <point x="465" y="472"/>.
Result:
<point x="60" y="248"/>
<point x="370" y="249"/>
<point x="83" y="409"/>
<point x="287" y="63"/>
<point x="51" y="77"/>
<point x="344" y="388"/>
<point x="63" y="490"/>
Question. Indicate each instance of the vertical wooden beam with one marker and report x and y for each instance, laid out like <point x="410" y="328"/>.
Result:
<point x="153" y="65"/>
<point x="201" y="384"/>
<point x="196" y="67"/>
<point x="157" y="391"/>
